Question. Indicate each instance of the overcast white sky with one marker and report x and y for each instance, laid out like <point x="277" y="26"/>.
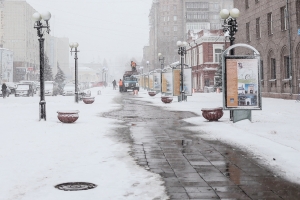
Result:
<point x="104" y="29"/>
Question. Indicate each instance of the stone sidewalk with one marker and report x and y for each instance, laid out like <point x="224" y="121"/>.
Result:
<point x="193" y="168"/>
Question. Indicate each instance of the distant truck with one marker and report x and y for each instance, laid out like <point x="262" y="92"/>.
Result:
<point x="130" y="82"/>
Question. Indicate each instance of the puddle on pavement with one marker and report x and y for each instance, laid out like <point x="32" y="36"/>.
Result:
<point x="190" y="166"/>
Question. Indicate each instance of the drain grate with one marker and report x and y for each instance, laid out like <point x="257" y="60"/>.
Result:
<point x="75" y="186"/>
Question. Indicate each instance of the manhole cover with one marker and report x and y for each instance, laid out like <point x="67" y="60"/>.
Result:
<point x="75" y="186"/>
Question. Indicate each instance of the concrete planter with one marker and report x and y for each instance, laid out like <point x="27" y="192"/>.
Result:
<point x="88" y="100"/>
<point x="68" y="116"/>
<point x="152" y="93"/>
<point x="212" y="114"/>
<point x="167" y="99"/>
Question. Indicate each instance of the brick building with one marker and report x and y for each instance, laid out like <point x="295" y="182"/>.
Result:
<point x="203" y="55"/>
<point x="271" y="26"/>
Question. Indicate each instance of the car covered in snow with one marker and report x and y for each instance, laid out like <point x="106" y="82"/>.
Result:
<point x="24" y="89"/>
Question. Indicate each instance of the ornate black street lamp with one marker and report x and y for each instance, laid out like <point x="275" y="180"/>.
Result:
<point x="75" y="45"/>
<point x="162" y="60"/>
<point x="230" y="26"/>
<point x="181" y="52"/>
<point x="39" y="26"/>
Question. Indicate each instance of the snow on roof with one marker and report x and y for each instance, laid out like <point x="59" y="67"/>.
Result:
<point x="209" y="69"/>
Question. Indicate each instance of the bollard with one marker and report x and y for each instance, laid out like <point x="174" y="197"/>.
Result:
<point x="99" y="92"/>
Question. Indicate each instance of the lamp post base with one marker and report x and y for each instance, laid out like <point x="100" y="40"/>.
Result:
<point x="76" y="97"/>
<point x="43" y="110"/>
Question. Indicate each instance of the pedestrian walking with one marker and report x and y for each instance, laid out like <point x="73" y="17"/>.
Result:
<point x="114" y="84"/>
<point x="121" y="85"/>
<point x="4" y="88"/>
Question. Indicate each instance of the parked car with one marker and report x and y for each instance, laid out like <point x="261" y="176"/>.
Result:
<point x="8" y="91"/>
<point x="24" y="89"/>
<point x="69" y="90"/>
<point x="51" y="88"/>
<point x="33" y="83"/>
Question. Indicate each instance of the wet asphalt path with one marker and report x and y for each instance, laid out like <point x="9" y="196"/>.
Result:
<point x="193" y="168"/>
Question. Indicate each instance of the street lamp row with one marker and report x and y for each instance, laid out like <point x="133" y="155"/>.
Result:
<point x="181" y="52"/>
<point x="75" y="46"/>
<point x="230" y="26"/>
<point x="39" y="25"/>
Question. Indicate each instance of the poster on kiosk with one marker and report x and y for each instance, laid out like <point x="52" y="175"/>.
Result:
<point x="156" y="80"/>
<point x="176" y="82"/>
<point x="187" y="81"/>
<point x="241" y="81"/>
<point x="167" y="83"/>
<point x="151" y="84"/>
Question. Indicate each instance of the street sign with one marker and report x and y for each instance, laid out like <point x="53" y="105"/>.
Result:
<point x="298" y="31"/>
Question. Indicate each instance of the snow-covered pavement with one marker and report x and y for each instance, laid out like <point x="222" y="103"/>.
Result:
<point x="37" y="155"/>
<point x="273" y="135"/>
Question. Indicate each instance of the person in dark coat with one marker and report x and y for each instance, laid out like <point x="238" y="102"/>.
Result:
<point x="114" y="84"/>
<point x="4" y="88"/>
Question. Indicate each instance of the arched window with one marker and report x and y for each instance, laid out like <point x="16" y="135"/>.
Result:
<point x="285" y="63"/>
<point x="272" y="65"/>
<point x="298" y="13"/>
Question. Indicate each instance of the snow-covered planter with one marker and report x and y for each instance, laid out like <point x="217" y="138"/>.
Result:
<point x="67" y="116"/>
<point x="167" y="99"/>
<point x="88" y="100"/>
<point x="212" y="114"/>
<point x="152" y="93"/>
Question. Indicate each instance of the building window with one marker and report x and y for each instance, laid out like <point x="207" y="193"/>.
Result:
<point x="197" y="26"/>
<point x="215" y="26"/>
<point x="197" y="16"/>
<point x="273" y="68"/>
<point x="286" y="62"/>
<point x="258" y="35"/>
<point x="168" y="18"/>
<point x="262" y="70"/>
<point x="283" y="18"/>
<point x="196" y="5"/>
<point x="175" y="18"/>
<point x="270" y="23"/>
<point x="216" y="6"/>
<point x="298" y="12"/>
<point x="175" y="28"/>
<point x="218" y="53"/>
<point x="200" y="51"/>
<point x="247" y="4"/>
<point x="248" y="32"/>
<point x="206" y="82"/>
<point x="174" y="7"/>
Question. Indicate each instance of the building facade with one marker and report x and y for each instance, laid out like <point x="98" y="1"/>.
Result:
<point x="18" y="34"/>
<point x="271" y="26"/>
<point x="172" y="20"/>
<point x="203" y="55"/>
